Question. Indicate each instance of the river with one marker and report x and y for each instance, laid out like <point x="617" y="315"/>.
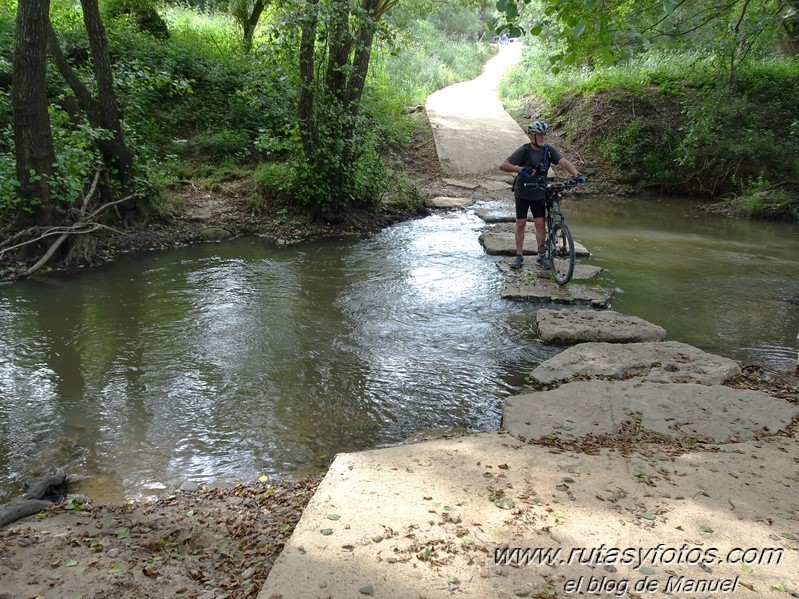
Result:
<point x="221" y="362"/>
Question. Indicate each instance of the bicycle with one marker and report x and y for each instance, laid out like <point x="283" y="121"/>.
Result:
<point x="559" y="241"/>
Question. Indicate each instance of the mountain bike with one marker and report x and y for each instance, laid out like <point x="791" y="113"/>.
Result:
<point x="559" y="244"/>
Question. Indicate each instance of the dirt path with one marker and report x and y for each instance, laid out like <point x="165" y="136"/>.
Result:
<point x="473" y="132"/>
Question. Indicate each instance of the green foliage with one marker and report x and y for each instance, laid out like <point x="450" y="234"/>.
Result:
<point x="761" y="198"/>
<point x="599" y="32"/>
<point x="76" y="156"/>
<point x="673" y="121"/>
<point x="639" y="157"/>
<point x="421" y="59"/>
<point x="195" y="100"/>
<point x="142" y="14"/>
<point x="274" y="181"/>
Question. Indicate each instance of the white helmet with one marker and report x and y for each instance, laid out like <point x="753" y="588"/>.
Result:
<point x="539" y="127"/>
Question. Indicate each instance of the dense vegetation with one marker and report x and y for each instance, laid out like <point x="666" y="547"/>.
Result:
<point x="310" y="98"/>
<point x="198" y="104"/>
<point x="696" y="98"/>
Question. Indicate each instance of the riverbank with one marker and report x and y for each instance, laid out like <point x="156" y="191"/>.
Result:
<point x="205" y="543"/>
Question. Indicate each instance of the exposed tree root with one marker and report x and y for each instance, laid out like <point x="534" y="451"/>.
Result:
<point x="79" y="222"/>
<point x="40" y="496"/>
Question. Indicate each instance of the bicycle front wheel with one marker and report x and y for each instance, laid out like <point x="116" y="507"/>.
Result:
<point x="561" y="253"/>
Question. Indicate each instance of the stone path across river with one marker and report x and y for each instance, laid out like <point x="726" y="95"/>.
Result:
<point x="635" y="467"/>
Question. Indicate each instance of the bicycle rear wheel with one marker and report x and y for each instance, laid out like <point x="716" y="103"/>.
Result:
<point x="561" y="253"/>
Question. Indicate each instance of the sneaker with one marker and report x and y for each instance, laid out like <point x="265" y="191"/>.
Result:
<point x="543" y="260"/>
<point x="517" y="261"/>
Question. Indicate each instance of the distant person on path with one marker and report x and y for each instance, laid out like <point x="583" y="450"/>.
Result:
<point x="531" y="163"/>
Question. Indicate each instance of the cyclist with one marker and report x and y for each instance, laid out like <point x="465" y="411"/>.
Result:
<point x="531" y="162"/>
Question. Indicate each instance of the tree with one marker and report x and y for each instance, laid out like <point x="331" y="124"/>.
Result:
<point x="64" y="217"/>
<point x="790" y="26"/>
<point x="33" y="138"/>
<point x="603" y="30"/>
<point x="341" y="32"/>
<point x="247" y="13"/>
<point x="116" y="153"/>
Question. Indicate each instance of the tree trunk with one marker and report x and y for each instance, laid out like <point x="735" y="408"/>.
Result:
<point x="33" y="138"/>
<point x="790" y="26"/>
<point x="122" y="157"/>
<point x="363" y="54"/>
<point x="308" y="130"/>
<point x="339" y="48"/>
<point x="252" y="23"/>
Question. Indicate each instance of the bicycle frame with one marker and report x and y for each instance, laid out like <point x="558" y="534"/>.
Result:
<point x="559" y="242"/>
<point x="560" y="245"/>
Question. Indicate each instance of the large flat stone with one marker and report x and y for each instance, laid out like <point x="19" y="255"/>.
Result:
<point x="712" y="412"/>
<point x="461" y="183"/>
<point x="425" y="520"/>
<point x="570" y="326"/>
<point x="498" y="184"/>
<point x="657" y="362"/>
<point x="500" y="239"/>
<point x="531" y="270"/>
<point x="449" y="202"/>
<point x="534" y="283"/>
<point x="498" y="215"/>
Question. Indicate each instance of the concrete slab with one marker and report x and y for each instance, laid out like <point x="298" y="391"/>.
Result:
<point x="711" y="413"/>
<point x="500" y="239"/>
<point x="570" y="326"/>
<point x="488" y="515"/>
<point x="658" y="362"/>
<point x="445" y="202"/>
<point x="493" y="185"/>
<point x="461" y="183"/>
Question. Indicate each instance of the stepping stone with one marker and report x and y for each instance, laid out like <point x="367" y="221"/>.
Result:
<point x="498" y="215"/>
<point x="711" y="413"/>
<point x="459" y="183"/>
<point x="448" y="202"/>
<point x="493" y="185"/>
<point x="656" y="362"/>
<point x="531" y="269"/>
<point x="500" y="240"/>
<point x="570" y="326"/>
<point x="546" y="290"/>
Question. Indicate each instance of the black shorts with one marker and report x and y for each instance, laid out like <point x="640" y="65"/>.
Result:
<point x="537" y="207"/>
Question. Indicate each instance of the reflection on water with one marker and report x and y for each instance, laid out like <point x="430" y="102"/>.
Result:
<point x="220" y="362"/>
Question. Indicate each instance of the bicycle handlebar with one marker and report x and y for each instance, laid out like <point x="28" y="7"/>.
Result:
<point x="557" y="187"/>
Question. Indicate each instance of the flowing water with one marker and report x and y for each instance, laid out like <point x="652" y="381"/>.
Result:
<point x="217" y="363"/>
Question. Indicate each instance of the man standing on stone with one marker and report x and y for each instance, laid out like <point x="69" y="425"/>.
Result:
<point x="531" y="163"/>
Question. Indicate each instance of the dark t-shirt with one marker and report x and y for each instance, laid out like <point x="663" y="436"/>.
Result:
<point x="526" y="156"/>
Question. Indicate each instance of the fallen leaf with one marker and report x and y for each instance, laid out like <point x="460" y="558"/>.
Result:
<point x="505" y="503"/>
